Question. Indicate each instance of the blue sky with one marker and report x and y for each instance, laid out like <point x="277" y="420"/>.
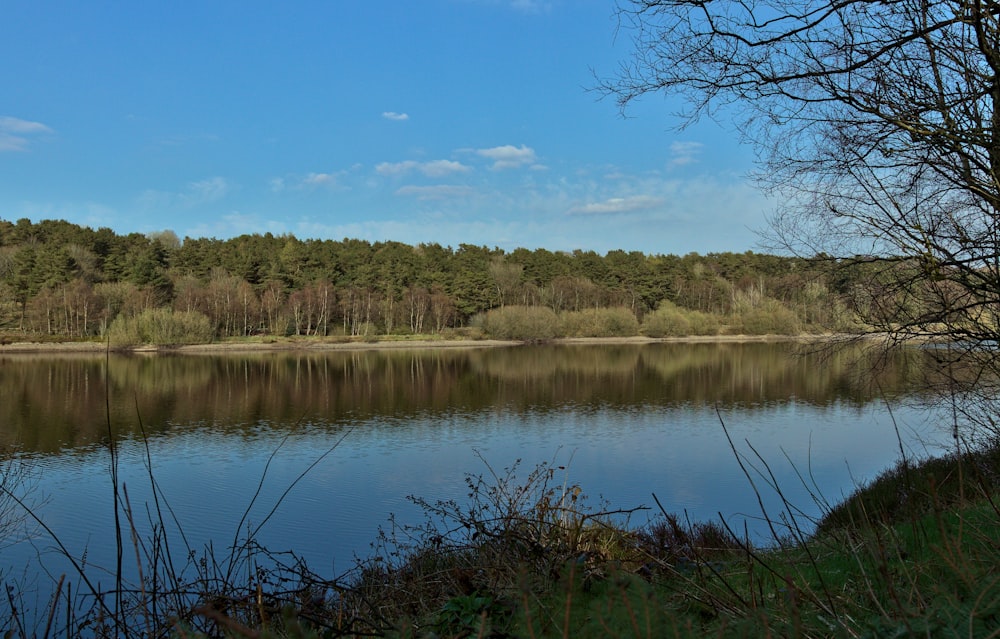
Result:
<point x="448" y="121"/>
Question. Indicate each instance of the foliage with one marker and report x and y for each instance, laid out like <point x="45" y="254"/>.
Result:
<point x="669" y="320"/>
<point x="598" y="322"/>
<point x="470" y="563"/>
<point x="59" y="279"/>
<point x="770" y="317"/>
<point x="161" y="327"/>
<point x="527" y="323"/>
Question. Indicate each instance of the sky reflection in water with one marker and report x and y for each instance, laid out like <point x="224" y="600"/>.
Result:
<point x="627" y="422"/>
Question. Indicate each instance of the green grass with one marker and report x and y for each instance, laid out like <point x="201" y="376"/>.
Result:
<point x="884" y="571"/>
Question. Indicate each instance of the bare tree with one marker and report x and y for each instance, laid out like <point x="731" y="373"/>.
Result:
<point x="878" y="129"/>
<point x="166" y="237"/>
<point x="506" y="277"/>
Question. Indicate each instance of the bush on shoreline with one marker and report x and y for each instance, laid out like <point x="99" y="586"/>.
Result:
<point x="598" y="322"/>
<point x="525" y="323"/>
<point x="669" y="320"/>
<point x="771" y="317"/>
<point x="161" y="327"/>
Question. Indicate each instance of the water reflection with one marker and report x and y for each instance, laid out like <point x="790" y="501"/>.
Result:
<point x="626" y="420"/>
<point x="52" y="404"/>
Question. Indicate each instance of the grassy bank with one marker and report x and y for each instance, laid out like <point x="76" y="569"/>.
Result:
<point x="528" y="555"/>
<point x="912" y="554"/>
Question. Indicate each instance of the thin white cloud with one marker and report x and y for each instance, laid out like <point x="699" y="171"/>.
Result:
<point x="232" y="224"/>
<point x="440" y="168"/>
<point x="434" y="168"/>
<point x="194" y="194"/>
<point x="209" y="190"/>
<point x="311" y="180"/>
<point x="396" y="168"/>
<point x="508" y="156"/>
<point x="683" y="153"/>
<point x="17" y="125"/>
<point x="319" y="179"/>
<point x="395" y="117"/>
<point x="530" y="6"/>
<point x="436" y="192"/>
<point x="617" y="205"/>
<point x="524" y="6"/>
<point x="647" y="212"/>
<point x="16" y="134"/>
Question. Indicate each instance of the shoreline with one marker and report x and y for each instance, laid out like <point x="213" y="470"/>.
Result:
<point x="327" y="344"/>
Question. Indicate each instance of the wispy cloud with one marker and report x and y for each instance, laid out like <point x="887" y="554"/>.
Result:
<point x="16" y="134"/>
<point x="434" y="168"/>
<point x="319" y="179"/>
<point x="234" y="223"/>
<point x="435" y="192"/>
<point x="617" y="205"/>
<point x="508" y="156"/>
<point x="209" y="190"/>
<point x="525" y="6"/>
<point x="308" y="181"/>
<point x="194" y="194"/>
<point x="396" y="117"/>
<point x="530" y="6"/>
<point x="682" y="153"/>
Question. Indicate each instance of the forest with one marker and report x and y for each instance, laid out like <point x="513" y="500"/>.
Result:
<point x="69" y="281"/>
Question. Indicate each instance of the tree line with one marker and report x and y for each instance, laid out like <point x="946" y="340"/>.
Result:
<point x="63" y="279"/>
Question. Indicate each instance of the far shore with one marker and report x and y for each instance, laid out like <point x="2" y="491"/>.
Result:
<point x="383" y="343"/>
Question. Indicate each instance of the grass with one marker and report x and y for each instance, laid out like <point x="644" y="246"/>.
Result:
<point x="526" y="554"/>
<point x="527" y="558"/>
<point x="548" y="567"/>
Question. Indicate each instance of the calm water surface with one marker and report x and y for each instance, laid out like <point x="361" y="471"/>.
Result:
<point x="626" y="421"/>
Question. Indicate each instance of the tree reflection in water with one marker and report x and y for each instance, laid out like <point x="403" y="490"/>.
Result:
<point x="627" y="421"/>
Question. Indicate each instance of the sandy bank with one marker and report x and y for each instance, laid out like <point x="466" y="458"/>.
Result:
<point x="326" y="344"/>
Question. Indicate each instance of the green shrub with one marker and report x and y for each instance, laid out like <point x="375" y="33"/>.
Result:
<point x="599" y="322"/>
<point x="670" y="320"/>
<point x="771" y="317"/>
<point x="521" y="323"/>
<point x="704" y="323"/>
<point x="667" y="321"/>
<point x="161" y="327"/>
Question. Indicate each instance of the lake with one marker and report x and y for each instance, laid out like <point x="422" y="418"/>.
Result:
<point x="353" y="433"/>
